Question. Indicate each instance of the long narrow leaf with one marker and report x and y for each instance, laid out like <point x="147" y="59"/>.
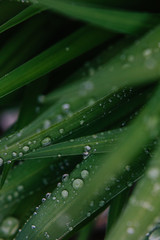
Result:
<point x="117" y="20"/>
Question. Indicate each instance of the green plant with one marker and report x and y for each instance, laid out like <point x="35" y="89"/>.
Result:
<point x="84" y="76"/>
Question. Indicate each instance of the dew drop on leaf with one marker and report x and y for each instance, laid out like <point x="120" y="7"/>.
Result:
<point x="1" y="161"/>
<point x="46" y="141"/>
<point x="25" y="148"/>
<point x="84" y="174"/>
<point x="9" y="226"/>
<point x="77" y="183"/>
<point x="64" y="194"/>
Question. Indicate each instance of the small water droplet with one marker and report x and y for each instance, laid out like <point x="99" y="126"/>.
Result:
<point x="33" y="226"/>
<point x="130" y="230"/>
<point x="65" y="177"/>
<point x="61" y="130"/>
<point x="1" y="161"/>
<point x="14" y="154"/>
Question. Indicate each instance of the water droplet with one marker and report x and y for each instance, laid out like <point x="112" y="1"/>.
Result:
<point x="46" y="141"/>
<point x="47" y="124"/>
<point x="43" y="199"/>
<point x="101" y="203"/>
<point x="9" y="226"/>
<point x="25" y="148"/>
<point x="46" y="235"/>
<point x="20" y="188"/>
<point x="65" y="177"/>
<point x="20" y="154"/>
<point x="66" y="106"/>
<point x="48" y="195"/>
<point x="41" y="98"/>
<point x="84" y="174"/>
<point x="77" y="183"/>
<point x="61" y="130"/>
<point x="153" y="173"/>
<point x="33" y="226"/>
<point x="85" y="155"/>
<point x="130" y="230"/>
<point x="1" y="161"/>
<point x="64" y="194"/>
<point x="155" y="235"/>
<point x="87" y="148"/>
<point x="147" y="52"/>
<point x="14" y="154"/>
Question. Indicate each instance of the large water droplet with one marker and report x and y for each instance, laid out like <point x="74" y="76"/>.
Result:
<point x="46" y="141"/>
<point x="9" y="226"/>
<point x="25" y="148"/>
<point x="64" y="194"/>
<point x="77" y="183"/>
<point x="84" y="174"/>
<point x="155" y="235"/>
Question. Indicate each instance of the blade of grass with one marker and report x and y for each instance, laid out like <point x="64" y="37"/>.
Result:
<point x="66" y="129"/>
<point x="24" y="118"/>
<point x="144" y="203"/>
<point x="116" y="20"/>
<point x="83" y="192"/>
<point x="97" y="143"/>
<point x="85" y="232"/>
<point x="60" y="203"/>
<point x="21" y="17"/>
<point x="79" y="42"/>
<point x="116" y="208"/>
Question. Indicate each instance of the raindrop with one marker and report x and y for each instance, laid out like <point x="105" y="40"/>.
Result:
<point x="155" y="235"/>
<point x="14" y="154"/>
<point x="20" y="188"/>
<point x="130" y="230"/>
<point x="25" y="148"/>
<point x="65" y="177"/>
<point x="153" y="173"/>
<point x="9" y="226"/>
<point x="101" y="203"/>
<point x="1" y="161"/>
<point x="64" y="194"/>
<point x="87" y="148"/>
<point x="77" y="183"/>
<point x="48" y="195"/>
<point x="47" y="124"/>
<point x="84" y="174"/>
<point x="61" y="130"/>
<point x="147" y="52"/>
<point x="33" y="226"/>
<point x="46" y="141"/>
<point x="66" y="106"/>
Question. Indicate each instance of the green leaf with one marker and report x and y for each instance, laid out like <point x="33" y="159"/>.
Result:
<point x="60" y="207"/>
<point x="82" y="191"/>
<point x="20" y="17"/>
<point x="57" y="55"/>
<point x="116" y="208"/>
<point x="97" y="143"/>
<point x="116" y="20"/>
<point x="144" y="203"/>
<point x="74" y="125"/>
